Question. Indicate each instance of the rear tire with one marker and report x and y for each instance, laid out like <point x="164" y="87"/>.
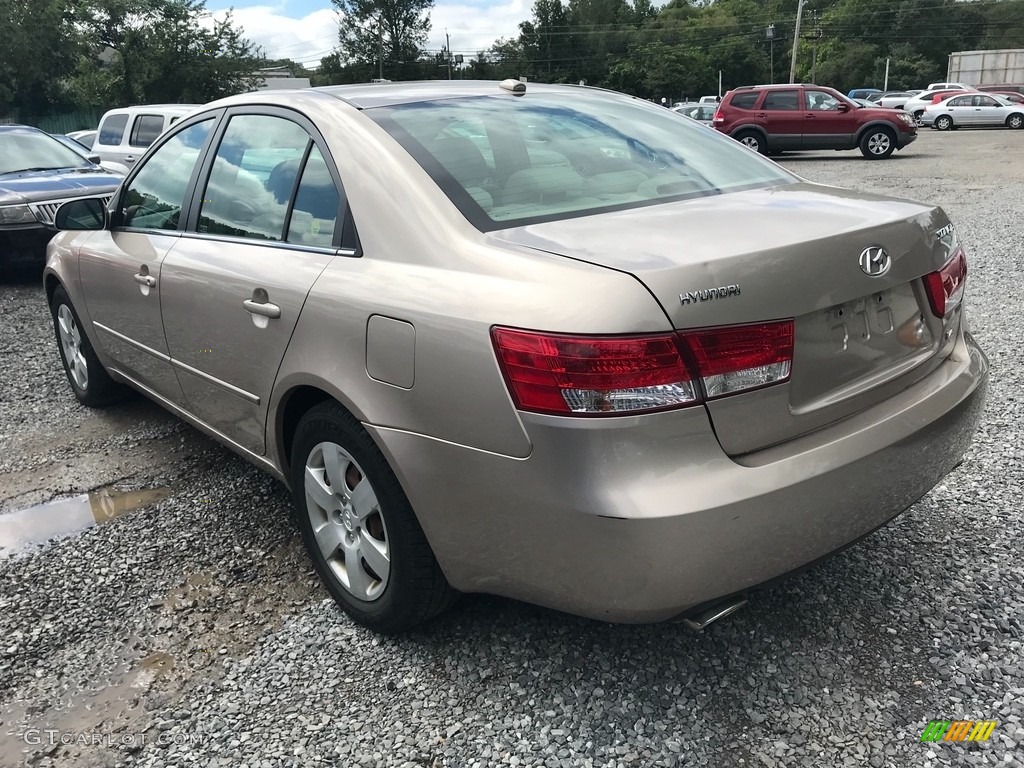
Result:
<point x="1015" y="121"/>
<point x="944" y="123"/>
<point x="878" y="143"/>
<point x="89" y="380"/>
<point x="359" y="528"/>
<point x="752" y="140"/>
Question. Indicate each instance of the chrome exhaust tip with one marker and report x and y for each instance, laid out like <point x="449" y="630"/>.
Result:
<point x="697" y="622"/>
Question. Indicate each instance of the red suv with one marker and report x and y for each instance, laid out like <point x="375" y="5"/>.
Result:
<point x="783" y="118"/>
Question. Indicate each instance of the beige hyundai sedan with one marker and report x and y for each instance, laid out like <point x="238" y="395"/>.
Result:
<point x="547" y="342"/>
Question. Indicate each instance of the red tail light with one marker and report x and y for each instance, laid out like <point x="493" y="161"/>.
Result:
<point x="741" y="357"/>
<point x="719" y="117"/>
<point x="552" y="373"/>
<point x="612" y="375"/>
<point x="945" y="288"/>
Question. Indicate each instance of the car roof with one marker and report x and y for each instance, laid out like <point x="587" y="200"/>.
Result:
<point x="368" y="95"/>
<point x="16" y="128"/>
<point x="162" y="107"/>
<point x="770" y="86"/>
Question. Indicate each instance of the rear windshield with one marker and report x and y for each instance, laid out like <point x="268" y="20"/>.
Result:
<point x="507" y="160"/>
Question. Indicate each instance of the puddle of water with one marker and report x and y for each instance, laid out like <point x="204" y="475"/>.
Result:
<point x="64" y="517"/>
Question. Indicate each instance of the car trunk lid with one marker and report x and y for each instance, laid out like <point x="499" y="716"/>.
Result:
<point x="792" y="251"/>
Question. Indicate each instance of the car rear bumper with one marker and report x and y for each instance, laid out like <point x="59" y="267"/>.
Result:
<point x="639" y="519"/>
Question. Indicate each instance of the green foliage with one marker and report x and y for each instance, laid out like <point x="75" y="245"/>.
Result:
<point x="387" y="33"/>
<point x="681" y="48"/>
<point x="99" y="54"/>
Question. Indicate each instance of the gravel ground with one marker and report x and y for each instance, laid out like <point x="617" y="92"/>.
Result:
<point x="192" y="632"/>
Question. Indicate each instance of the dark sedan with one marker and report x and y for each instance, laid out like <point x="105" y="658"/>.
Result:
<point x="37" y="174"/>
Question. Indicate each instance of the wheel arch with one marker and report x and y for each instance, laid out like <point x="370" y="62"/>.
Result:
<point x="875" y="124"/>
<point x="295" y="401"/>
<point x="750" y="127"/>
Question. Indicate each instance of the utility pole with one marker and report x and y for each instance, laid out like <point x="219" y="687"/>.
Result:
<point x="448" y="51"/>
<point x="770" y="34"/>
<point x="796" y="41"/>
<point x="885" y="86"/>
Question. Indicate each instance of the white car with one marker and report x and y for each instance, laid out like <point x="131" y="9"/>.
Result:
<point x="973" y="110"/>
<point x="918" y="104"/>
<point x="891" y="99"/>
<point x="949" y="87"/>
<point x="126" y="133"/>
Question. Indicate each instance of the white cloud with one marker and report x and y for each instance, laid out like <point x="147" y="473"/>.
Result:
<point x="472" y="28"/>
<point x="305" y="39"/>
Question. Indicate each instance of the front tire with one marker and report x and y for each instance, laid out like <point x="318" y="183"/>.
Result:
<point x="89" y="380"/>
<point x="753" y="140"/>
<point x="359" y="527"/>
<point x="878" y="143"/>
<point x="1015" y="121"/>
<point x="944" y="123"/>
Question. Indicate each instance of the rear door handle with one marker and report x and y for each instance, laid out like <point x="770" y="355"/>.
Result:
<point x="762" y="114"/>
<point x="265" y="309"/>
<point x="129" y="159"/>
<point x="147" y="280"/>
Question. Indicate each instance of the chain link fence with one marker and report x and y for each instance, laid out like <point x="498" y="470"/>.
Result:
<point x="84" y="120"/>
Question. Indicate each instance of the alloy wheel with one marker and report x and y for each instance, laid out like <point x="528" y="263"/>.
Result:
<point x="752" y="142"/>
<point x="347" y="524"/>
<point x="1016" y="121"/>
<point x="879" y="143"/>
<point x="71" y="344"/>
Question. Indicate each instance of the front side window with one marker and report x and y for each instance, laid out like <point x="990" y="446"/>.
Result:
<point x="156" y="195"/>
<point x="985" y="101"/>
<point x="543" y="157"/>
<point x="253" y="178"/>
<point x="786" y="100"/>
<point x="821" y="101"/>
<point x="112" y="130"/>
<point x="145" y="130"/>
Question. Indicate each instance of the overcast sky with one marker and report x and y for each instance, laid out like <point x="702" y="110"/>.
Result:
<point x="306" y="30"/>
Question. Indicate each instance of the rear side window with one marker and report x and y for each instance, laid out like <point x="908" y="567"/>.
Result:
<point x="253" y="178"/>
<point x="145" y="129"/>
<point x="745" y="100"/>
<point x="315" y="213"/>
<point x="786" y="100"/>
<point x="112" y="130"/>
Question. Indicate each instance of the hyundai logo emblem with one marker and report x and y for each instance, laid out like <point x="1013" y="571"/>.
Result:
<point x="875" y="261"/>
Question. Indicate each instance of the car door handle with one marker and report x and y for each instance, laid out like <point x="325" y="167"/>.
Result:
<point x="147" y="280"/>
<point x="129" y="159"/>
<point x="265" y="309"/>
<point x="808" y="117"/>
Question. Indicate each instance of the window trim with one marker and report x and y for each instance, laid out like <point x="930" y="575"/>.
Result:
<point x="338" y="245"/>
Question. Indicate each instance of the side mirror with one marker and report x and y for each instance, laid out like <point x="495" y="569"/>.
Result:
<point x="87" y="214"/>
<point x="843" y="106"/>
<point x="94" y="159"/>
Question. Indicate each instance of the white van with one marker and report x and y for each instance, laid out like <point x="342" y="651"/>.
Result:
<point x="125" y="133"/>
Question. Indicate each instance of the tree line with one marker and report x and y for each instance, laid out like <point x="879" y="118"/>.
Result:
<point x="62" y="55"/>
<point x="683" y="46"/>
